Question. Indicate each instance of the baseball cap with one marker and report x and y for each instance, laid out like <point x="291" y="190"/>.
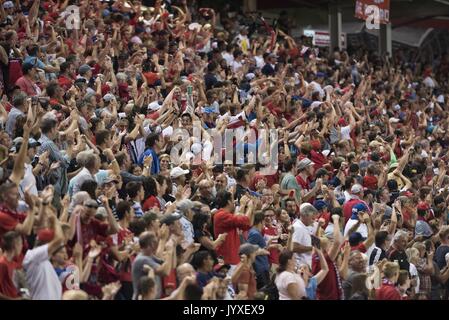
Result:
<point x="32" y="143"/>
<point x="357" y="188"/>
<point x="248" y="248"/>
<point x="84" y="69"/>
<point x="154" y="106"/>
<point x="184" y="205"/>
<point x="176" y="172"/>
<point x="355" y="238"/>
<point x="304" y="163"/>
<point x="108" y="97"/>
<point x="108" y="179"/>
<point x="170" y="218"/>
<point x="319" y="204"/>
<point x="8" y="5"/>
<point x="422" y="228"/>
<point x="45" y="235"/>
<point x="358" y="208"/>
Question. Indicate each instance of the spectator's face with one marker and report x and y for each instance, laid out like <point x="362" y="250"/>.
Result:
<point x="267" y="197"/>
<point x="176" y="228"/>
<point x="165" y="163"/>
<point x="229" y="169"/>
<point x="11" y="198"/>
<point x="284" y="217"/>
<point x="358" y="263"/>
<point x="401" y="243"/>
<point x="291" y="207"/>
<point x="208" y="263"/>
<point x="220" y="182"/>
<point x="269" y="215"/>
<point x="60" y="257"/>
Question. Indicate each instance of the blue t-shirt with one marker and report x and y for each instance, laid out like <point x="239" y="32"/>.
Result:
<point x="155" y="167"/>
<point x="311" y="288"/>
<point x="34" y="61"/>
<point x="261" y="264"/>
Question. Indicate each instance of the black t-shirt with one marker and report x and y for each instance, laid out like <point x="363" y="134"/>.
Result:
<point x="401" y="257"/>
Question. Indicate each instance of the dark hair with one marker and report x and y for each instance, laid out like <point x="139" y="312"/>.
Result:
<point x="151" y="140"/>
<point x="380" y="238"/>
<point x="33" y="50"/>
<point x="121" y="158"/>
<point x="284" y="257"/>
<point x="47" y="125"/>
<point x="222" y="198"/>
<point x="101" y="136"/>
<point x="359" y="284"/>
<point x="8" y="240"/>
<point x="289" y="164"/>
<point x="150" y="187"/>
<point x="337" y="210"/>
<point x="199" y="258"/>
<point x="132" y="188"/>
<point x="146" y="239"/>
<point x="137" y="226"/>
<point x="193" y="292"/>
<point x="198" y="221"/>
<point x="145" y="285"/>
<point x="122" y="208"/>
<point x="259" y="217"/>
<point x="51" y="89"/>
<point x="90" y="187"/>
<point x="240" y="174"/>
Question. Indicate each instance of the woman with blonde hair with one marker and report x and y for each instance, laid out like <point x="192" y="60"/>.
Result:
<point x="413" y="259"/>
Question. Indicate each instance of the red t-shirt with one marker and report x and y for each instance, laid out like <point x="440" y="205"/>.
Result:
<point x="119" y="241"/>
<point x="329" y="288"/>
<point x="274" y="253"/>
<point x="326" y="216"/>
<point x="6" y="277"/>
<point x="8" y="222"/>
<point x="228" y="222"/>
<point x="65" y="82"/>
<point x="347" y="208"/>
<point x="305" y="185"/>
<point x="151" y="202"/>
<point x="370" y="182"/>
<point x="388" y="292"/>
<point x="247" y="276"/>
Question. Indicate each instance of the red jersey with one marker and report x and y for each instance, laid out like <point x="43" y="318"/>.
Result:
<point x="347" y="208"/>
<point x="388" y="291"/>
<point x="7" y="286"/>
<point x="228" y="222"/>
<point x="330" y="288"/>
<point x="268" y="232"/>
<point x="151" y="202"/>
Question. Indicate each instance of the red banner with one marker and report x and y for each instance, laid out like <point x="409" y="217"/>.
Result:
<point x="381" y="7"/>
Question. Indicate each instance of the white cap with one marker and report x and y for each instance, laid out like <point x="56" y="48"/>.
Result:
<point x="250" y="76"/>
<point x="167" y="131"/>
<point x="176" y="172"/>
<point x="8" y="5"/>
<point x="154" y="106"/>
<point x="394" y="120"/>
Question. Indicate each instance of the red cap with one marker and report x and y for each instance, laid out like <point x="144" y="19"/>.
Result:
<point x="342" y="122"/>
<point x="45" y="235"/>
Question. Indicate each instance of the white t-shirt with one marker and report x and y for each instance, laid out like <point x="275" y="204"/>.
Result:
<point x="228" y="57"/>
<point x="302" y="236"/>
<point x="362" y="229"/>
<point x="259" y="61"/>
<point x="41" y="277"/>
<point x="284" y="279"/>
<point x="414" y="274"/>
<point x="345" y="133"/>
<point x="236" y="66"/>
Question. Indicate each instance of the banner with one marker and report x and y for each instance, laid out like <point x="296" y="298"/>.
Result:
<point x="381" y="8"/>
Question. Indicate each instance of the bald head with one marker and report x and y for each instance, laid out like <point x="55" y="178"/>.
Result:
<point x="184" y="270"/>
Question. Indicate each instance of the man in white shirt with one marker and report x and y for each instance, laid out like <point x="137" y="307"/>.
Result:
<point x="184" y="207"/>
<point x="359" y="208"/>
<point x="302" y="238"/>
<point x="41" y="277"/>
